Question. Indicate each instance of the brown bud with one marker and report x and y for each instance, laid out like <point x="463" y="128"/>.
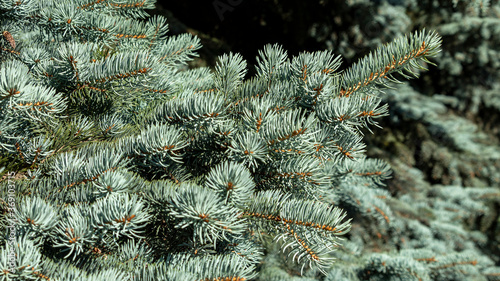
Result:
<point x="9" y="38"/>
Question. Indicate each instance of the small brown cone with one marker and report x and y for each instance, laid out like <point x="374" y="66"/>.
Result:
<point x="10" y="39"/>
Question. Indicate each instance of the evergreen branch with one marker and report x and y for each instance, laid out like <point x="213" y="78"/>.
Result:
<point x="368" y="170"/>
<point x="34" y="149"/>
<point x="297" y="124"/>
<point x="177" y="49"/>
<point x="14" y="79"/>
<point x="222" y="267"/>
<point x="349" y="146"/>
<point x="192" y="107"/>
<point x="160" y="140"/>
<point x="248" y="149"/>
<point x="160" y="27"/>
<point x="299" y="221"/>
<point x="269" y="62"/>
<point x="407" y="269"/>
<point x="160" y="192"/>
<point x="120" y="214"/>
<point x="236" y="159"/>
<point x="232" y="181"/>
<point x="306" y="64"/>
<point x="294" y="212"/>
<point x="403" y="54"/>
<point x="203" y="209"/>
<point x="353" y="111"/>
<point x="368" y="202"/>
<point x="68" y="167"/>
<point x="37" y="101"/>
<point x="73" y="233"/>
<point x="119" y="66"/>
<point x="305" y="254"/>
<point x="229" y="73"/>
<point x="144" y="4"/>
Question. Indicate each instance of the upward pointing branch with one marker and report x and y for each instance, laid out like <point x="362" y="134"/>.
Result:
<point x="403" y="54"/>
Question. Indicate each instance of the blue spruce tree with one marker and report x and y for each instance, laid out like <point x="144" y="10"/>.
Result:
<point x="131" y="166"/>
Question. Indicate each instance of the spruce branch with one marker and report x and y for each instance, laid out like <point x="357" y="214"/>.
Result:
<point x="402" y="55"/>
<point x="142" y="169"/>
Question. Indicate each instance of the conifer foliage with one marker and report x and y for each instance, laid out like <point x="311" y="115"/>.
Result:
<point x="139" y="168"/>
